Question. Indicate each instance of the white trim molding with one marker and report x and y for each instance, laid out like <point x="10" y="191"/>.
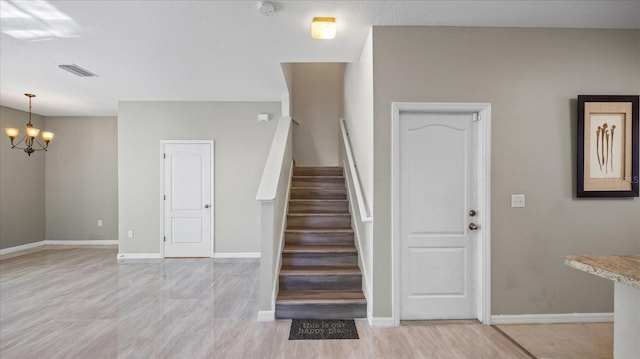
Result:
<point x="266" y="315"/>
<point x="221" y="255"/>
<point x="483" y="260"/>
<point x="24" y="247"/>
<point x="122" y="256"/>
<point x="552" y="318"/>
<point x="98" y="242"/>
<point x="381" y="322"/>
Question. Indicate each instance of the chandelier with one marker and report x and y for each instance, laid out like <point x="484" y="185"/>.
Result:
<point x="30" y="138"/>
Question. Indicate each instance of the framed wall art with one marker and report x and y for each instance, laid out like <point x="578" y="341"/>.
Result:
<point x="608" y="145"/>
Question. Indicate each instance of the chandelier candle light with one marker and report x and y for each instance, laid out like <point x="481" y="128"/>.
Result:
<point x="30" y="137"/>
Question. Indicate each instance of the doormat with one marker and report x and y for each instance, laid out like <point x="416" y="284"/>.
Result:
<point x="310" y="329"/>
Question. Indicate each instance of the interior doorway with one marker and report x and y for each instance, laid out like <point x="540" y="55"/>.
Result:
<point x="441" y="211"/>
<point x="187" y="198"/>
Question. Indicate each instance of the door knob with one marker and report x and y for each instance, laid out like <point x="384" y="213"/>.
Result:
<point x="473" y="226"/>
<point x="206" y="206"/>
<point x="472" y="213"/>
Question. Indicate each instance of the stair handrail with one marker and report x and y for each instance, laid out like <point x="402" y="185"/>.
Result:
<point x="365" y="214"/>
<point x="268" y="188"/>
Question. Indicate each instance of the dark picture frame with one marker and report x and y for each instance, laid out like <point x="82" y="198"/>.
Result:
<point x="608" y="145"/>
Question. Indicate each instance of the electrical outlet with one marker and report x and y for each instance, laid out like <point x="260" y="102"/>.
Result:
<point x="99" y="223"/>
<point x="130" y="234"/>
<point x="517" y="201"/>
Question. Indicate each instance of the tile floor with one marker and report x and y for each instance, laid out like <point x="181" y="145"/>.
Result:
<point x="82" y="303"/>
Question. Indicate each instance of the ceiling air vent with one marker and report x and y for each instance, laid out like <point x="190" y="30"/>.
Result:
<point x="77" y="70"/>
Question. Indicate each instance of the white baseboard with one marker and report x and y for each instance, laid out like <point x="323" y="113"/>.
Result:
<point x="381" y="322"/>
<point x="266" y="315"/>
<point x="21" y="247"/>
<point x="385" y="322"/>
<point x="552" y="318"/>
<point x="138" y="256"/>
<point x="99" y="242"/>
<point x="57" y="243"/>
<point x="236" y="255"/>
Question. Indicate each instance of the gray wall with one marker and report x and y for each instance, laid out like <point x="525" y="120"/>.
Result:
<point x="82" y="179"/>
<point x="287" y="73"/>
<point x="316" y="100"/>
<point x="241" y="147"/>
<point x="22" y="192"/>
<point x="358" y="115"/>
<point x="532" y="78"/>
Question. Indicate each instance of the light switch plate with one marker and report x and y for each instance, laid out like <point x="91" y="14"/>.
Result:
<point x="99" y="223"/>
<point x="130" y="234"/>
<point x="517" y="201"/>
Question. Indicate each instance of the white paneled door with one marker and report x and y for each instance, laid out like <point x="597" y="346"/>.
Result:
<point x="188" y="207"/>
<point x="437" y="215"/>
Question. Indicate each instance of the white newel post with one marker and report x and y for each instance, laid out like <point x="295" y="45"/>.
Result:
<point x="266" y="262"/>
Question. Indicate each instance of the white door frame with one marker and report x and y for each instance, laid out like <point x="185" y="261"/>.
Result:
<point x="161" y="194"/>
<point x="483" y="260"/>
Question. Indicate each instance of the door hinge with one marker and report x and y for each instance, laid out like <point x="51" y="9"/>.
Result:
<point x="164" y="155"/>
<point x="475" y="117"/>
<point x="165" y="197"/>
<point x="164" y="239"/>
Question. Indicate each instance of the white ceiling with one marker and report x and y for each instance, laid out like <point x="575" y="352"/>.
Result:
<point x="226" y="51"/>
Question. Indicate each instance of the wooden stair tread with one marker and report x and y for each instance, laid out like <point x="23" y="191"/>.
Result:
<point x="305" y="200"/>
<point x="317" y="167"/>
<point x="315" y="192"/>
<point x="317" y="171"/>
<point x="319" y="230"/>
<point x="321" y="297"/>
<point x="320" y="214"/>
<point x="315" y="176"/>
<point x="329" y="181"/>
<point x="315" y="188"/>
<point x="319" y="249"/>
<point x="318" y="191"/>
<point x="319" y="270"/>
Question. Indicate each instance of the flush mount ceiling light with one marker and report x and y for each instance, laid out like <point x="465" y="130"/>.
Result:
<point x="323" y="28"/>
<point x="30" y="137"/>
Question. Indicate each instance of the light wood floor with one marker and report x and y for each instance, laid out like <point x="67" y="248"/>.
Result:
<point x="566" y="341"/>
<point x="82" y="303"/>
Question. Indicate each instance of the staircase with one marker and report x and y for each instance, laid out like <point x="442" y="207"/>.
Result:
<point x="320" y="277"/>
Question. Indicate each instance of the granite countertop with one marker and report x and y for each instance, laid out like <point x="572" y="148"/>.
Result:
<point x="622" y="269"/>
